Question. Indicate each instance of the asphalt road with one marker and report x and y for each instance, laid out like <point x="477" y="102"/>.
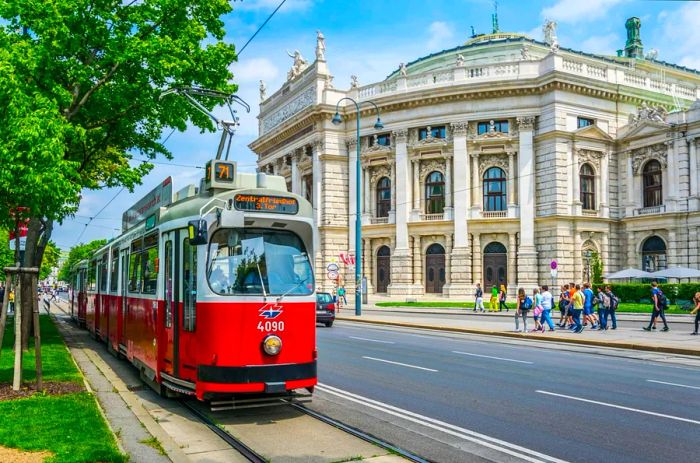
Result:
<point x="458" y="398"/>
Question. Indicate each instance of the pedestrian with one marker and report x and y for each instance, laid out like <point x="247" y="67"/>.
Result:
<point x="612" y="309"/>
<point x="493" y="303"/>
<point x="11" y="304"/>
<point x="563" y="305"/>
<point x="479" y="294"/>
<point x="660" y="305"/>
<point x="524" y="304"/>
<point x="547" y="304"/>
<point x="537" y="310"/>
<point x="341" y="296"/>
<point x="576" y="307"/>
<point x="502" y="299"/>
<point x="603" y="304"/>
<point x="696" y="312"/>
<point x="588" y="315"/>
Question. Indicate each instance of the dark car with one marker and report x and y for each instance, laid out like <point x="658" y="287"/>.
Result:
<point x="325" y="309"/>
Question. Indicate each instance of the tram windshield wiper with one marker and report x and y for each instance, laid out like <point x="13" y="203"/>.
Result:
<point x="279" y="299"/>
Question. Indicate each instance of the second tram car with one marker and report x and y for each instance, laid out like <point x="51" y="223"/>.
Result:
<point x="212" y="294"/>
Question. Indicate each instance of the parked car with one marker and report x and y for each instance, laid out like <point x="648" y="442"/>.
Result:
<point x="325" y="309"/>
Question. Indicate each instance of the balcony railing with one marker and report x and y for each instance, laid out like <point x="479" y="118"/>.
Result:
<point x="429" y="217"/>
<point x="494" y="214"/>
<point x="379" y="220"/>
<point x="650" y="210"/>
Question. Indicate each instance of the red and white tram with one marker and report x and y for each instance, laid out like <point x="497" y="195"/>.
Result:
<point x="212" y="294"/>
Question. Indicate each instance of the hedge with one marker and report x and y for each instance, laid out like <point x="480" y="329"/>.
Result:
<point x="637" y="292"/>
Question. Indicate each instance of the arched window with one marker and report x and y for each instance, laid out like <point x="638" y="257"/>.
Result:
<point x="434" y="193"/>
<point x="653" y="254"/>
<point x="587" y="196"/>
<point x="383" y="197"/>
<point x="494" y="189"/>
<point x="495" y="247"/>
<point x="652" y="184"/>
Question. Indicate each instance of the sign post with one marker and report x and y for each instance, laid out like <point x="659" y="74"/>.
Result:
<point x="553" y="271"/>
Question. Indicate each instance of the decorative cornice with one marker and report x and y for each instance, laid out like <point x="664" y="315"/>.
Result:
<point x="459" y="128"/>
<point x="432" y="165"/>
<point x="492" y="160"/>
<point x="400" y="135"/>
<point x="640" y="157"/>
<point x="526" y="122"/>
<point x="586" y="156"/>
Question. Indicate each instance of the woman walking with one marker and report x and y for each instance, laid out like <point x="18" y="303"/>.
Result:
<point x="563" y="305"/>
<point x="502" y="299"/>
<point x="537" y="310"/>
<point x="493" y="303"/>
<point x="696" y="311"/>
<point x="524" y="304"/>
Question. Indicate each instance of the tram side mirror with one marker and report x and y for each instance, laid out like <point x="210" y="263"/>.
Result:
<point x="197" y="230"/>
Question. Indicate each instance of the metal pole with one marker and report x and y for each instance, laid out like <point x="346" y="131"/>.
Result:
<point x="358" y="223"/>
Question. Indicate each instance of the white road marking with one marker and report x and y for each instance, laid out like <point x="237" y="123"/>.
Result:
<point x="646" y="412"/>
<point x="447" y="428"/>
<point x="491" y="357"/>
<point x="398" y="363"/>
<point x="371" y="340"/>
<point x="672" y="384"/>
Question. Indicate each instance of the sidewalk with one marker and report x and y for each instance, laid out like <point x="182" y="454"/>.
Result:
<point x="676" y="341"/>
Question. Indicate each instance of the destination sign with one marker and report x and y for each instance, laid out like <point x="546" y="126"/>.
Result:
<point x="160" y="196"/>
<point x="265" y="203"/>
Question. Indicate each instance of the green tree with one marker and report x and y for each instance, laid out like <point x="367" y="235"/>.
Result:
<point x="596" y="268"/>
<point x="50" y="260"/>
<point x="80" y="87"/>
<point x="6" y="256"/>
<point x="75" y="255"/>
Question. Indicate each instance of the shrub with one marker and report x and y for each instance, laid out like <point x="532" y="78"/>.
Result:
<point x="634" y="292"/>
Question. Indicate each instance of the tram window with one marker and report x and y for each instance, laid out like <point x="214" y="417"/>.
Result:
<point x="134" y="272"/>
<point x="258" y="261"/>
<point x="114" y="271"/>
<point x="168" y="273"/>
<point x="103" y="274"/>
<point x="92" y="275"/>
<point x="189" y="284"/>
<point x="150" y="273"/>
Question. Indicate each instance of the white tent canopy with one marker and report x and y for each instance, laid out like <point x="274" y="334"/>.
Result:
<point x="629" y="273"/>
<point x="677" y="272"/>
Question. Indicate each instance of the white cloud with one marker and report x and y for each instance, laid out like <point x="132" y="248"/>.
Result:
<point x="253" y="70"/>
<point x="440" y="36"/>
<point x="601" y="44"/>
<point x="573" y="11"/>
<point x="681" y="33"/>
<point x="289" y="5"/>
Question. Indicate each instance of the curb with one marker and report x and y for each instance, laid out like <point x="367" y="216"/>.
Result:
<point x="538" y="337"/>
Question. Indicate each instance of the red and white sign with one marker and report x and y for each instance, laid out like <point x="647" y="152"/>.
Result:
<point x="22" y="236"/>
<point x="347" y="258"/>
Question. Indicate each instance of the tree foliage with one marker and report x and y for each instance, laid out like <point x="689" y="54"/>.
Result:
<point x="596" y="268"/>
<point x="49" y="260"/>
<point x="76" y="254"/>
<point x="6" y="256"/>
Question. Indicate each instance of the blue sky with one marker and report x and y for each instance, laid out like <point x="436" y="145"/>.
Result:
<point x="370" y="39"/>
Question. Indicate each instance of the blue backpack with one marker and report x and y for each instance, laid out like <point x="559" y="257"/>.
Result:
<point x="526" y="304"/>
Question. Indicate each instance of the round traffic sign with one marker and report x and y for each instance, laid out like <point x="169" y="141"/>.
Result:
<point x="332" y="275"/>
<point x="333" y="267"/>
<point x="553" y="265"/>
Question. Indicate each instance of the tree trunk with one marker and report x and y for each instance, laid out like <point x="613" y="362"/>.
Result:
<point x="38" y="235"/>
<point x="37" y="339"/>
<point x="5" y="303"/>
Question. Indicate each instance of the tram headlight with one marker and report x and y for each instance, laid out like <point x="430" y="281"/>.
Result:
<point x="272" y="345"/>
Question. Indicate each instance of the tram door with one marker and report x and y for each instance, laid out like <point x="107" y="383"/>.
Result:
<point x="124" y="304"/>
<point x="171" y="298"/>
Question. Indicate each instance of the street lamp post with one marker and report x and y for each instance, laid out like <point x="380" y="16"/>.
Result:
<point x="358" y="197"/>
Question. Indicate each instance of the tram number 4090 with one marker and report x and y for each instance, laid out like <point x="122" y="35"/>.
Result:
<point x="270" y="326"/>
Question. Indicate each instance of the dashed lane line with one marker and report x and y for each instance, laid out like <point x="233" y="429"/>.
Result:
<point x="399" y="363"/>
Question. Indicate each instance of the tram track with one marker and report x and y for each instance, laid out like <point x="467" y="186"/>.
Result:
<point x="248" y="453"/>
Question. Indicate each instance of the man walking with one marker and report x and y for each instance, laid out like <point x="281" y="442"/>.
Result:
<point x="576" y="308"/>
<point x="479" y="294"/>
<point x="660" y="305"/>
<point x="547" y="303"/>
<point x="614" y="301"/>
<point x="588" y="313"/>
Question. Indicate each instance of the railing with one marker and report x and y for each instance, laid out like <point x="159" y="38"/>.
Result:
<point x="379" y="220"/>
<point x="650" y="210"/>
<point x="494" y="214"/>
<point x="430" y="217"/>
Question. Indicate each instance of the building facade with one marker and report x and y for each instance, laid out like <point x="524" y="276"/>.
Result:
<point x="497" y="157"/>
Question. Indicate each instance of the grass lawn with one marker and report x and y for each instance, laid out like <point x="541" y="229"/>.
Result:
<point x="69" y="425"/>
<point x="627" y="307"/>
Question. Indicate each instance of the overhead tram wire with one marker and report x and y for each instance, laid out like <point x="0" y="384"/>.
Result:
<point x="260" y="28"/>
<point x="98" y="213"/>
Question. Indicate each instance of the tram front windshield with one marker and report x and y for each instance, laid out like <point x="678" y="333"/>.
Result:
<point x="254" y="261"/>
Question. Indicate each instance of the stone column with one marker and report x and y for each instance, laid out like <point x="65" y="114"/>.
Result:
<point x="317" y="197"/>
<point x="694" y="178"/>
<point x="527" y="253"/>
<point x="368" y="263"/>
<point x="296" y="178"/>
<point x="366" y="196"/>
<point x="460" y="269"/>
<point x="448" y="260"/>
<point x="512" y="251"/>
<point x="672" y="251"/>
<point x="401" y="282"/>
<point x="605" y="185"/>
<point x="478" y="263"/>
<point x="512" y="205"/>
<point x="631" y="203"/>
<point x="605" y="252"/>
<point x="416" y="186"/>
<point x="578" y="259"/>
<point x="671" y="176"/>
<point x="576" y="205"/>
<point x="353" y="208"/>
<point x="417" y="265"/>
<point x="476" y="186"/>
<point x="448" y="188"/>
<point x="372" y="207"/>
<point x="392" y="211"/>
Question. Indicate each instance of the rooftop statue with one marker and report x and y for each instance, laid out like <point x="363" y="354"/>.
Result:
<point x="649" y="113"/>
<point x="550" y="35"/>
<point x="652" y="55"/>
<point x="353" y="82"/>
<point x="402" y="70"/>
<point x="263" y="91"/>
<point x="298" y="66"/>
<point x="525" y="53"/>
<point x="460" y="60"/>
<point x="320" y="46"/>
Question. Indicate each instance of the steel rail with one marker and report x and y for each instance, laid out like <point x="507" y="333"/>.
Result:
<point x="240" y="447"/>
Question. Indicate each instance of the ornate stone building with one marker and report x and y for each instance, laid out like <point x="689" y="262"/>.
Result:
<point x="497" y="157"/>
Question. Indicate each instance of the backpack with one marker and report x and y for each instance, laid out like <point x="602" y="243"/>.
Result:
<point x="526" y="304"/>
<point x="662" y="300"/>
<point x="614" y="301"/>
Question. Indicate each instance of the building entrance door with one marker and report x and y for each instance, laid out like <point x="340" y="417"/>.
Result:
<point x="495" y="266"/>
<point x="434" y="269"/>
<point x="383" y="269"/>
